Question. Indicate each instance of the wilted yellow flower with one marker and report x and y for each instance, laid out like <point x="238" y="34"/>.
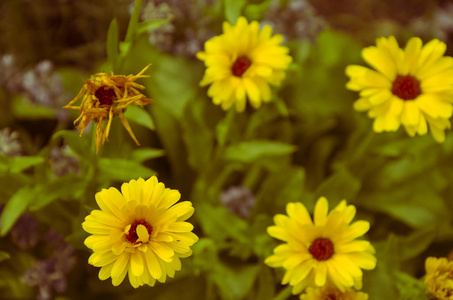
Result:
<point x="324" y="251"/>
<point x="140" y="232"/>
<point x="439" y="277"/>
<point x="329" y="292"/>
<point x="106" y="96"/>
<point x="242" y="62"/>
<point x="413" y="87"/>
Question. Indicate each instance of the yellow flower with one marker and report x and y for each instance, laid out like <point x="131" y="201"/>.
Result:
<point x="242" y="62"/>
<point x="439" y="277"/>
<point x="140" y="232"/>
<point x="321" y="252"/>
<point x="106" y="97"/>
<point x="329" y="292"/>
<point x="413" y="87"/>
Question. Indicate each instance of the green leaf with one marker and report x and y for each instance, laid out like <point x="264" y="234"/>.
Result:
<point x="409" y="287"/>
<point x="133" y="22"/>
<point x="234" y="282"/>
<point x="150" y="25"/>
<point x="4" y="256"/>
<point x="197" y="135"/>
<point x="253" y="150"/>
<point x="139" y="116"/>
<point x="112" y="43"/>
<point x="16" y="205"/>
<point x="77" y="143"/>
<point x="144" y="154"/>
<point x="266" y="285"/>
<point x="280" y="187"/>
<point x="20" y="163"/>
<point x="256" y="11"/>
<point x="416" y="205"/>
<point x="284" y="294"/>
<point x="23" y="108"/>
<point x="123" y="169"/>
<point x="340" y="185"/>
<point x="219" y="224"/>
<point x="233" y="9"/>
<point x="70" y="186"/>
<point x="170" y="135"/>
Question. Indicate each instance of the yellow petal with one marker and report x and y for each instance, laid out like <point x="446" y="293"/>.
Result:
<point x="321" y="274"/>
<point x="137" y="262"/>
<point x="120" y="265"/>
<point x="142" y="233"/>
<point x="321" y="209"/>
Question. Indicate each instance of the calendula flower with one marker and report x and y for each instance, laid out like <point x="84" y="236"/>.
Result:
<point x="140" y="232"/>
<point x="413" y="87"/>
<point x="242" y="62"/>
<point x="324" y="251"/>
<point x="329" y="292"/>
<point x="106" y="96"/>
<point x="439" y="277"/>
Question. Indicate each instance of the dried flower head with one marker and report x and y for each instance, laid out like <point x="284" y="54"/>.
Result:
<point x="106" y="96"/>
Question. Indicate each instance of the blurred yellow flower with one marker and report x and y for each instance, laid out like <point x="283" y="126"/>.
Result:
<point x="329" y="292"/>
<point x="439" y="277"/>
<point x="413" y="87"/>
<point x="321" y="252"/>
<point x="106" y="96"/>
<point x="140" y="232"/>
<point x="242" y="62"/>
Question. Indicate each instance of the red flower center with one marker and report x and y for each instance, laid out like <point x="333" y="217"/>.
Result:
<point x="105" y="95"/>
<point x="132" y="236"/>
<point x="241" y="65"/>
<point x="406" y="87"/>
<point x="321" y="249"/>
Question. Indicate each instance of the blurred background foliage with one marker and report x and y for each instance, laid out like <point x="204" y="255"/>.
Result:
<point x="239" y="170"/>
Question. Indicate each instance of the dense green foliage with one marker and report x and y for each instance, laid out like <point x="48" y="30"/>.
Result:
<point x="306" y="143"/>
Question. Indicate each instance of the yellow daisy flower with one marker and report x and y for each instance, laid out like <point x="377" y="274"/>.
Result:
<point x="321" y="252"/>
<point x="242" y="62"/>
<point x="106" y="96"/>
<point x="329" y="292"/>
<point x="439" y="277"/>
<point x="140" y="232"/>
<point x="413" y="87"/>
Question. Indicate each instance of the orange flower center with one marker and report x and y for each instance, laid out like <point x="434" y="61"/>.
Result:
<point x="241" y="65"/>
<point x="132" y="236"/>
<point x="105" y="95"/>
<point x="321" y="249"/>
<point x="406" y="87"/>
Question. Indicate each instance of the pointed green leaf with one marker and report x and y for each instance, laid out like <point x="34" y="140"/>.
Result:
<point x="253" y="150"/>
<point x="16" y="205"/>
<point x="112" y="43"/>
<point x="139" y="116"/>
<point x="20" y="163"/>
<point x="144" y="154"/>
<point x="123" y="169"/>
<point x="233" y="9"/>
<point x="150" y="25"/>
